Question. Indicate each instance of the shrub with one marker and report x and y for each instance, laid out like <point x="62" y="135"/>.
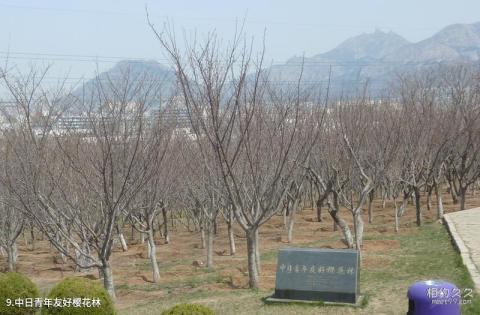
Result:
<point x="188" y="309"/>
<point x="13" y="286"/>
<point x="75" y="288"/>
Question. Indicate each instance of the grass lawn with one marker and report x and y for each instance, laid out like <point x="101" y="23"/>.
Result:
<point x="418" y="254"/>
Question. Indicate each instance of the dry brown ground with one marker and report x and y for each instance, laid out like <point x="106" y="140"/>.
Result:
<point x="132" y="274"/>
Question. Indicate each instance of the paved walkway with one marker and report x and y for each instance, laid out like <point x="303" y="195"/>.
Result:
<point x="464" y="227"/>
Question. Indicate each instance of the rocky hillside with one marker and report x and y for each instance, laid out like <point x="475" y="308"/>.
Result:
<point x="376" y="57"/>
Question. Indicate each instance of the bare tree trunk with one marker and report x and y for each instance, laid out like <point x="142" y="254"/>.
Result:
<point x="106" y="271"/>
<point x="335" y="222"/>
<point x="149" y="249"/>
<point x="173" y="223"/>
<point x="166" y="234"/>
<point x="360" y="228"/>
<point x="153" y="256"/>
<point x="347" y="234"/>
<point x="188" y="224"/>
<point x="418" y="209"/>
<point x="429" y="197"/>
<point x="132" y="234"/>
<point x="438" y="194"/>
<point x="231" y="238"/>
<point x="32" y="237"/>
<point x="62" y="255"/>
<point x="356" y="230"/>
<point x="210" y="237"/>
<point x="160" y="229"/>
<point x="397" y="227"/>
<point x="384" y="196"/>
<point x="258" y="264"/>
<point x="252" y="264"/>
<point x="202" y="237"/>
<point x="12" y="257"/>
<point x="291" y="221"/>
<point x="285" y="216"/>
<point x="123" y="242"/>
<point x="82" y="259"/>
<point x="453" y="190"/>
<point x="64" y="258"/>
<point x="404" y="203"/>
<point x="25" y="241"/>
<point x="67" y="247"/>
<point x="462" y="196"/>
<point x="318" y="208"/>
<point x="371" y="195"/>
<point x="142" y="238"/>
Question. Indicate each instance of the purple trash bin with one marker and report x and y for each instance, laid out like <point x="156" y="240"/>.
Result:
<point x="433" y="297"/>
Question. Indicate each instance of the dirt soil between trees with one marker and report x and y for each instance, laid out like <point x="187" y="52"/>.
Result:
<point x="227" y="281"/>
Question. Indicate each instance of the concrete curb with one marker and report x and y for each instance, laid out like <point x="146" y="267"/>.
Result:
<point x="464" y="251"/>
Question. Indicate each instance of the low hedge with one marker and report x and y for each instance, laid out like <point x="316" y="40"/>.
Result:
<point x="15" y="286"/>
<point x="189" y="309"/>
<point x="78" y="296"/>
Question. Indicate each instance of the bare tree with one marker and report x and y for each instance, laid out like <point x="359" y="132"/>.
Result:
<point x="258" y="135"/>
<point x="203" y="190"/>
<point x="157" y="193"/>
<point x="12" y="222"/>
<point x="293" y="201"/>
<point x="463" y="163"/>
<point x="75" y="183"/>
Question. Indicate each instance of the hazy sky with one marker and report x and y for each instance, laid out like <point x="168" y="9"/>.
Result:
<point x="70" y="33"/>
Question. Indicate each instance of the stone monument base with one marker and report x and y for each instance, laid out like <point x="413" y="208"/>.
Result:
<point x="271" y="299"/>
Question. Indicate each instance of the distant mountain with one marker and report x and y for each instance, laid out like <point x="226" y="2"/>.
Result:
<point x="376" y="57"/>
<point x="458" y="42"/>
<point x="367" y="46"/>
<point x="149" y="78"/>
<point x="372" y="58"/>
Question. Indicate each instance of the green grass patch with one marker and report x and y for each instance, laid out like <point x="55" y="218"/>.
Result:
<point x="270" y="255"/>
<point x="424" y="253"/>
